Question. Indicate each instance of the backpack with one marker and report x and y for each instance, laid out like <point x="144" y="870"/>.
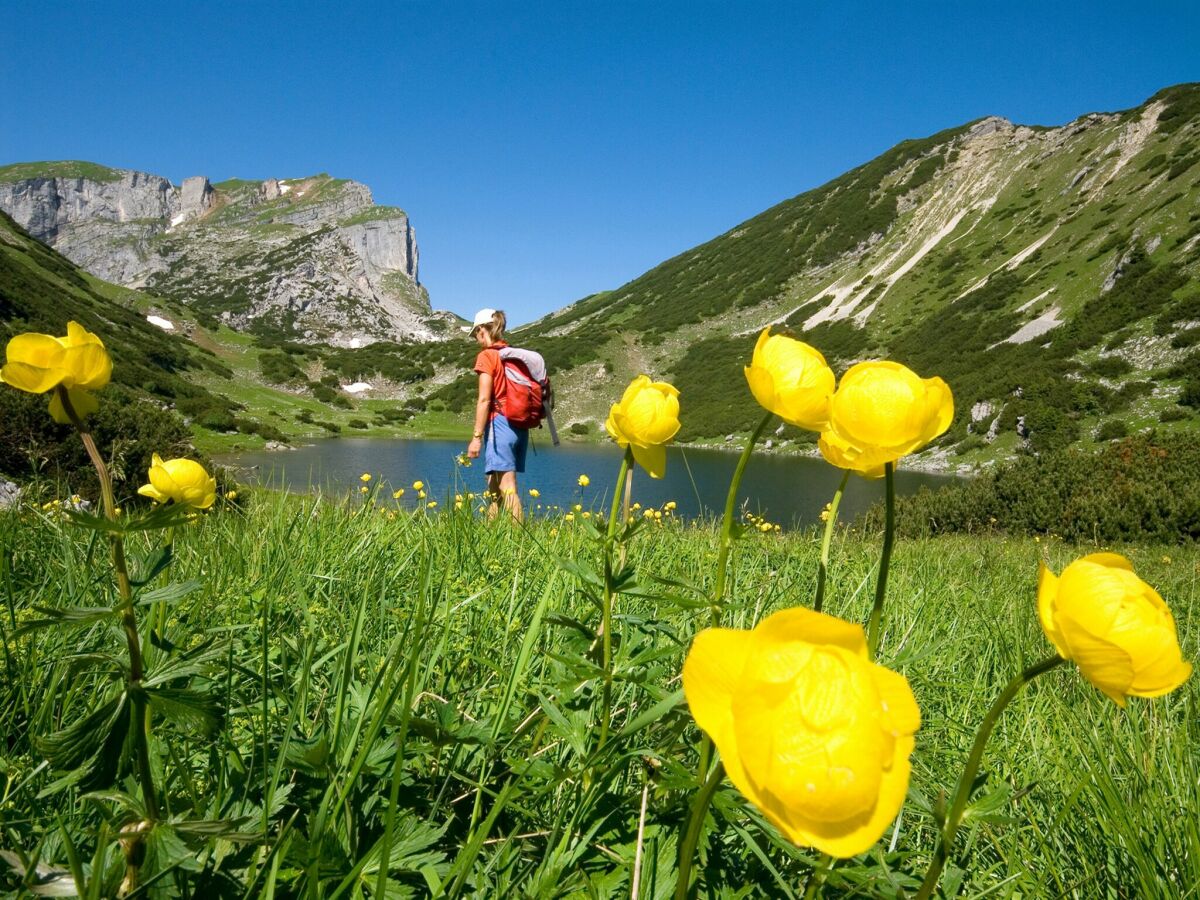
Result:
<point x="528" y="398"/>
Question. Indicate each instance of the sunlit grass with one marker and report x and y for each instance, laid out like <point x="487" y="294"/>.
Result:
<point x="444" y="662"/>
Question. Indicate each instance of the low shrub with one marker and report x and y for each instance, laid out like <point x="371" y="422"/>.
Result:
<point x="127" y="431"/>
<point x="1140" y="489"/>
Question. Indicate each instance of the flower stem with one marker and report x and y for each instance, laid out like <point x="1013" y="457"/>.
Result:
<point x="606" y="623"/>
<point x="138" y="720"/>
<point x="691" y="837"/>
<point x="718" y="594"/>
<point x="717" y="598"/>
<point x="889" y="536"/>
<point x="967" y="779"/>
<point x="830" y="522"/>
<point x="816" y="877"/>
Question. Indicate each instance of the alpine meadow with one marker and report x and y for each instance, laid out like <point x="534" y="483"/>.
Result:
<point x="215" y="688"/>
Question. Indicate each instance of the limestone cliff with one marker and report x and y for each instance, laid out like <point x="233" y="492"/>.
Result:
<point x="310" y="259"/>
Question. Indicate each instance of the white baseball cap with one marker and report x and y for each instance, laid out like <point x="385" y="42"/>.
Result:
<point x="483" y="317"/>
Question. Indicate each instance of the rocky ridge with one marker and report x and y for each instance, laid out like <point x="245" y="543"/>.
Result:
<point x="311" y="259"/>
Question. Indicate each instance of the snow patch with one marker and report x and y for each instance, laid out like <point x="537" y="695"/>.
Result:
<point x="355" y="343"/>
<point x="1039" y="326"/>
<point x="284" y="187"/>
<point x="159" y="321"/>
<point x="178" y="220"/>
<point x="357" y="388"/>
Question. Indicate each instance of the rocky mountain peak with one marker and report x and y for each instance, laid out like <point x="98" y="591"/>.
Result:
<point x="311" y="259"/>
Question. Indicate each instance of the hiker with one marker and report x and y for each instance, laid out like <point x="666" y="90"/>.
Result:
<point x="504" y="446"/>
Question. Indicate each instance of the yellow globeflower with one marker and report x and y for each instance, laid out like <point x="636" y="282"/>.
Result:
<point x="645" y="420"/>
<point x="1113" y="625"/>
<point x="398" y="493"/>
<point x="417" y="485"/>
<point x="791" y="379"/>
<point x="882" y="411"/>
<point x="810" y="730"/>
<point x="78" y="362"/>
<point x="535" y="493"/>
<point x="181" y="480"/>
<point x="584" y="481"/>
<point x="364" y="477"/>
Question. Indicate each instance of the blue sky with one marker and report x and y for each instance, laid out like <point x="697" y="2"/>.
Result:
<point x="545" y="151"/>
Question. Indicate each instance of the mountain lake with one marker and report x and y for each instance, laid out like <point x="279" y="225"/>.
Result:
<point x="786" y="489"/>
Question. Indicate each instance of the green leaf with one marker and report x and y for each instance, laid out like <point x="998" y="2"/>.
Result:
<point x="171" y="593"/>
<point x="165" y="849"/>
<point x="92" y="746"/>
<point x="151" y="565"/>
<point x="200" y="660"/>
<point x="658" y="711"/>
<point x="225" y="829"/>
<point x="190" y="709"/>
<point x="161" y="517"/>
<point x="568" y="622"/>
<point x="582" y="572"/>
<point x="70" y="616"/>
<point x="73" y="745"/>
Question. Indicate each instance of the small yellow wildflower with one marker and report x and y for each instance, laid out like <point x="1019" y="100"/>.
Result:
<point x="764" y="527"/>
<point x="364" y="489"/>
<point x="232" y="495"/>
<point x="584" y="481"/>
<point x="670" y="504"/>
<point x="587" y="514"/>
<point x="417" y="485"/>
<point x="432" y="504"/>
<point x="398" y="493"/>
<point x="364" y="477"/>
<point x="569" y="517"/>
<point x="535" y="493"/>
<point x="420" y="495"/>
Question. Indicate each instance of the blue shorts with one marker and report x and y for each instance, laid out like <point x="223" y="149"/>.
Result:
<point x="504" y="447"/>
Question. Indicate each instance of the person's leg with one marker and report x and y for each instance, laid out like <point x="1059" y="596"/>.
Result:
<point x="512" y="498"/>
<point x="493" y="494"/>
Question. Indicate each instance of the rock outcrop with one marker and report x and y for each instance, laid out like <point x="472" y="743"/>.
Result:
<point x="314" y="259"/>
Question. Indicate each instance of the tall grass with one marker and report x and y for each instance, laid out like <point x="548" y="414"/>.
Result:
<point x="408" y="708"/>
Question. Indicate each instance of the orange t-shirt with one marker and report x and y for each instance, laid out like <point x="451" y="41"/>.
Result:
<point x="488" y="361"/>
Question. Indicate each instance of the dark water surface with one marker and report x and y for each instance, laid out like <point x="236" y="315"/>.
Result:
<point x="787" y="489"/>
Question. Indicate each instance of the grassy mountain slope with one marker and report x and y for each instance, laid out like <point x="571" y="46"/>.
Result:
<point x="1048" y="273"/>
<point x="229" y="387"/>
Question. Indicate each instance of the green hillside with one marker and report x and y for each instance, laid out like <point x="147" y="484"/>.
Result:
<point x="67" y="168"/>
<point x="230" y="389"/>
<point x="42" y="291"/>
<point x="1049" y="274"/>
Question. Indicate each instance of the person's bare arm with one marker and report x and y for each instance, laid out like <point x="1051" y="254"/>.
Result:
<point x="482" y="406"/>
